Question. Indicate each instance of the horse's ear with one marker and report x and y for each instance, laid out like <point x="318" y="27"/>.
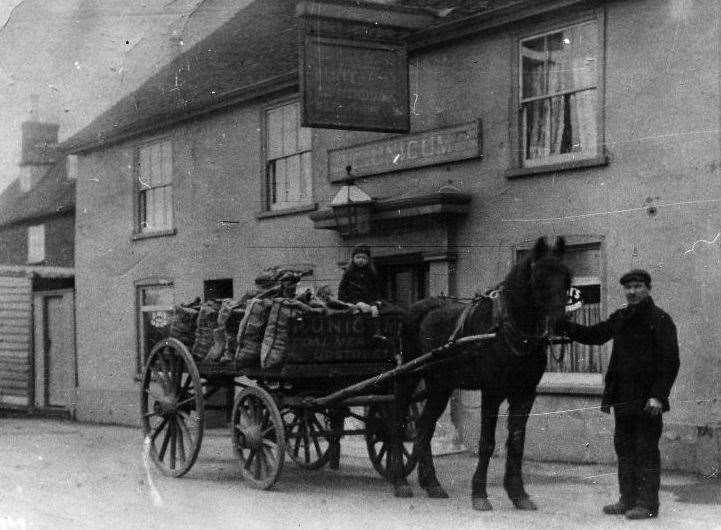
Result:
<point x="560" y="248"/>
<point x="540" y="249"/>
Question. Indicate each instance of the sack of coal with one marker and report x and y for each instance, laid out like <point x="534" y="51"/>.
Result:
<point x="276" y="340"/>
<point x="251" y="330"/>
<point x="231" y="330"/>
<point x="207" y="322"/>
<point x="183" y="322"/>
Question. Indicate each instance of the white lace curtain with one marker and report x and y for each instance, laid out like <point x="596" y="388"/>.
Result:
<point x="559" y="93"/>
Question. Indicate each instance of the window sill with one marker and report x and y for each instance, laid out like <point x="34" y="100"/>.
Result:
<point x="159" y="233"/>
<point x="571" y="383"/>
<point x="289" y="211"/>
<point x="601" y="160"/>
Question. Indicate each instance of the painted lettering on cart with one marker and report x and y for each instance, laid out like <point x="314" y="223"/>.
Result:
<point x="339" y="339"/>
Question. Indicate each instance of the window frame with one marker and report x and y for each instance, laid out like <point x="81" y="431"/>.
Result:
<point x="138" y="231"/>
<point x="40" y="255"/>
<point x="519" y="166"/>
<point x="140" y="355"/>
<point x="267" y="209"/>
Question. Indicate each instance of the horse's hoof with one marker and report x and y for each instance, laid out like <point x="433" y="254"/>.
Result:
<point x="524" y="503"/>
<point x="481" y="504"/>
<point x="436" y="492"/>
<point x="402" y="491"/>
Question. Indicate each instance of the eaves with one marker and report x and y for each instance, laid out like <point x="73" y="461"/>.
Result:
<point x="154" y="123"/>
<point x="447" y="32"/>
<point x="37" y="218"/>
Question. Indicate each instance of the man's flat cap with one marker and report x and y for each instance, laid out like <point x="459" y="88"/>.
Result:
<point x="636" y="275"/>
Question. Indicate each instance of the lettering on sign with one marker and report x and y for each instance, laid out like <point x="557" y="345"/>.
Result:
<point x="354" y="85"/>
<point x="339" y="338"/>
<point x="428" y="148"/>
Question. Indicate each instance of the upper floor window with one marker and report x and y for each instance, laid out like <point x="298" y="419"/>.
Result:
<point x="288" y="159"/>
<point x="155" y="187"/>
<point x="559" y="95"/>
<point x="36" y="243"/>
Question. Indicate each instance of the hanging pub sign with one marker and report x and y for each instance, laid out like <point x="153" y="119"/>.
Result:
<point x="353" y="64"/>
<point x="354" y="85"/>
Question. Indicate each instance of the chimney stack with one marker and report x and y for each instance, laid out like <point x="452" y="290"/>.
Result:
<point x="39" y="146"/>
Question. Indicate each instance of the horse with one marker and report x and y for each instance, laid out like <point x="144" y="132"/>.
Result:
<point x="521" y="312"/>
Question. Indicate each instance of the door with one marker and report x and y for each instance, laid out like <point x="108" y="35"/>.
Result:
<point x="56" y="374"/>
<point x="403" y="279"/>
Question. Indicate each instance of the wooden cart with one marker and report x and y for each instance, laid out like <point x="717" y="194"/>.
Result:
<point x="334" y="370"/>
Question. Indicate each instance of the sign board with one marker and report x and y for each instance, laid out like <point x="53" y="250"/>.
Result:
<point x="354" y="85"/>
<point x="427" y="148"/>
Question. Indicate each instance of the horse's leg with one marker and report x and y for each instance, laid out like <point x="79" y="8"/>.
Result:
<point x="519" y="407"/>
<point x="436" y="402"/>
<point x="402" y="393"/>
<point x="490" y="403"/>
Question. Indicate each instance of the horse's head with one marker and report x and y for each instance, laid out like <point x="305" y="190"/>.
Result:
<point x="549" y="280"/>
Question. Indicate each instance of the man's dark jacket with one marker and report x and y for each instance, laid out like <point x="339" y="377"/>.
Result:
<point x="644" y="360"/>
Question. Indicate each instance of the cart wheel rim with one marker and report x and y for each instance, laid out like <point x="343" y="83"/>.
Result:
<point x="171" y="408"/>
<point x="378" y="439"/>
<point x="258" y="437"/>
<point x="308" y="436"/>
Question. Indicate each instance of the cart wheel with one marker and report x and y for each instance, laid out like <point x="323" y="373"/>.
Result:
<point x="258" y="437"/>
<point x="308" y="436"/>
<point x="378" y="437"/>
<point x="171" y="407"/>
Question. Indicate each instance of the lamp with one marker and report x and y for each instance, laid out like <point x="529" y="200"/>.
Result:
<point x="351" y="208"/>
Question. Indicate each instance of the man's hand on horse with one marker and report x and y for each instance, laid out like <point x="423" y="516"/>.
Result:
<point x="653" y="407"/>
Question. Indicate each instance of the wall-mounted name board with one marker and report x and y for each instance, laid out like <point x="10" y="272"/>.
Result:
<point x="354" y="85"/>
<point x="428" y="148"/>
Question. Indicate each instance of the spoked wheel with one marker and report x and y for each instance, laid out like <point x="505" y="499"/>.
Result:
<point x="171" y="407"/>
<point x="308" y="436"/>
<point x="378" y="425"/>
<point x="258" y="437"/>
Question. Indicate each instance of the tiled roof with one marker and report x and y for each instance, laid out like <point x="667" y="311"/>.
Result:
<point x="257" y="44"/>
<point x="54" y="194"/>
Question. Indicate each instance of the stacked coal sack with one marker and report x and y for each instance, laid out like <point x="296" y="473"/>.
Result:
<point x="276" y="336"/>
<point x="183" y="322"/>
<point x="276" y="289"/>
<point x="251" y="330"/>
<point x="207" y="322"/>
<point x="229" y="314"/>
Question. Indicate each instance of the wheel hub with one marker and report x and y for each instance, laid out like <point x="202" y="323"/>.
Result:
<point x="164" y="407"/>
<point x="252" y="437"/>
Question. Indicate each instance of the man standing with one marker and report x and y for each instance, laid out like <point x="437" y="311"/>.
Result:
<point x="643" y="366"/>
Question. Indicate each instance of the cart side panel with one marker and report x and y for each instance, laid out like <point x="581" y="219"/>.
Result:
<point x="343" y="338"/>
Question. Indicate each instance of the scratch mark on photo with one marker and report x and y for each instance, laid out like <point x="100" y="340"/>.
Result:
<point x="712" y="242"/>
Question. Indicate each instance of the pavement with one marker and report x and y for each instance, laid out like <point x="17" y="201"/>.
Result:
<point x="60" y="474"/>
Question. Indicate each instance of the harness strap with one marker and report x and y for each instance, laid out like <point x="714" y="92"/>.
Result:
<point x="463" y="317"/>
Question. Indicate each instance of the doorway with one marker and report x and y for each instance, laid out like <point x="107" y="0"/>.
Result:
<point x="55" y="356"/>
<point x="403" y="279"/>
